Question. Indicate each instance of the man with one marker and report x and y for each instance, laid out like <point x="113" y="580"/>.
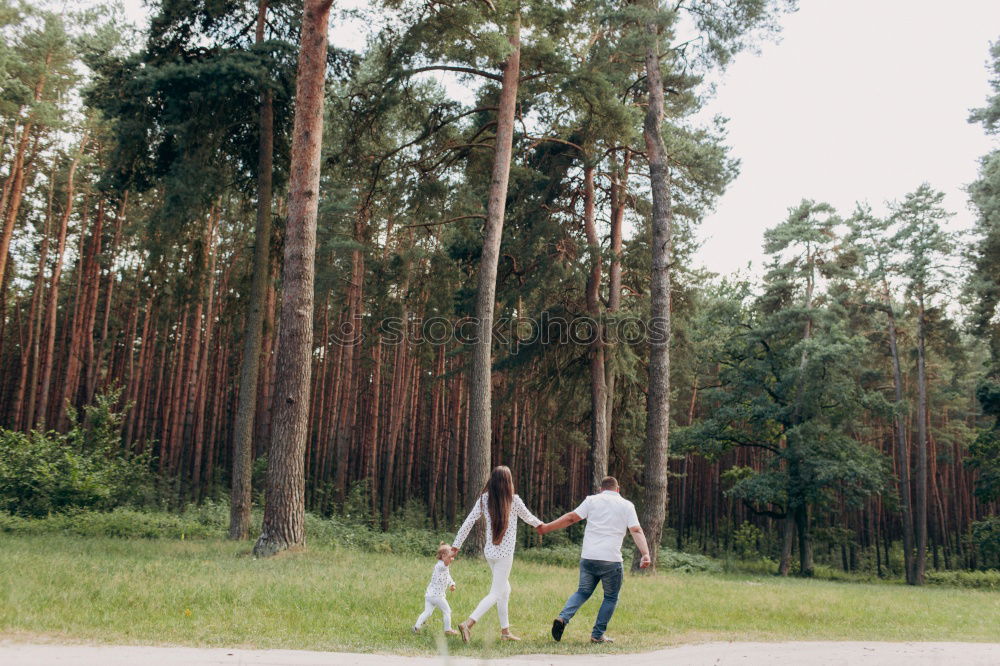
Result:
<point x="609" y="516"/>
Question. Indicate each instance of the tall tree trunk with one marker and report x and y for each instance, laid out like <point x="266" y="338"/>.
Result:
<point x="284" y="509"/>
<point x="598" y="380"/>
<point x="109" y="291"/>
<point x="787" y="541"/>
<point x="48" y="358"/>
<point x="797" y="513"/>
<point x="902" y="450"/>
<point x="352" y="356"/>
<point x="82" y="327"/>
<point x="920" y="563"/>
<point x="372" y="435"/>
<point x="240" y="496"/>
<point x="89" y="370"/>
<point x="30" y="355"/>
<point x="656" y="455"/>
<point x="14" y="187"/>
<point x="619" y="186"/>
<point x="805" y="543"/>
<point x="400" y="380"/>
<point x="480" y="378"/>
<point x="17" y="185"/>
<point x="684" y="471"/>
<point x="196" y="408"/>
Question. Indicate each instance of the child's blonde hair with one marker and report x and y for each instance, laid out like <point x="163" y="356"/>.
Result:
<point x="443" y="549"/>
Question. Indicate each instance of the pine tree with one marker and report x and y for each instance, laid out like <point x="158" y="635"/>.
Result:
<point x="871" y="236"/>
<point x="791" y="389"/>
<point x="284" y="504"/>
<point x="925" y="248"/>
<point x="983" y="288"/>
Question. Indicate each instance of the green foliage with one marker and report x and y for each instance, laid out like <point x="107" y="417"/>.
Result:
<point x="984" y="456"/>
<point x="989" y="115"/>
<point x="986" y="580"/>
<point x="49" y="472"/>
<point x="358" y="507"/>
<point x="746" y="540"/>
<point x="925" y="246"/>
<point x="791" y="379"/>
<point x="982" y="290"/>
<point x="121" y="523"/>
<point x="681" y="562"/>
<point x="412" y="515"/>
<point x="986" y="539"/>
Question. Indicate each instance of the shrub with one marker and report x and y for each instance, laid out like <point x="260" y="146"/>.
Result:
<point x="120" y="523"/>
<point x="48" y="472"/>
<point x="986" y="539"/>
<point x="746" y="541"/>
<point x="562" y="555"/>
<point x="686" y="562"/>
<point x="987" y="580"/>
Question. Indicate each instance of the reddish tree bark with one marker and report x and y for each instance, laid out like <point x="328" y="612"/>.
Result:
<point x="480" y="378"/>
<point x="284" y="508"/>
<point x="48" y="358"/>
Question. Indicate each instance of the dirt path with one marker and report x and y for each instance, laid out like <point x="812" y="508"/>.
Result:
<point x="706" y="654"/>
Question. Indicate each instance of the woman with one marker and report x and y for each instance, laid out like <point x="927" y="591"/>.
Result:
<point x="502" y="508"/>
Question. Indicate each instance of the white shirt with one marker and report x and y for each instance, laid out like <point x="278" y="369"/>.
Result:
<point x="506" y="546"/>
<point x="609" y="517"/>
<point x="441" y="580"/>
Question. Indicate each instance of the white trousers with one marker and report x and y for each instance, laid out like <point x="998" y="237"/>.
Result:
<point x="499" y="590"/>
<point x="430" y="603"/>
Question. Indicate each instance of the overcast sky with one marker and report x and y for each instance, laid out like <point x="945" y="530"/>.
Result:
<point x="858" y="100"/>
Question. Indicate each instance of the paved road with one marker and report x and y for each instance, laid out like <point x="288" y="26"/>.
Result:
<point x="706" y="654"/>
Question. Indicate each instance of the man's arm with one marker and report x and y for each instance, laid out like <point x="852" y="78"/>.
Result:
<point x="562" y="522"/>
<point x="640" y="542"/>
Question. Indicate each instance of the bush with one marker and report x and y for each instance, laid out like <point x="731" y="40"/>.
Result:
<point x="746" y="541"/>
<point x="120" y="523"/>
<point x="986" y="580"/>
<point x="686" y="562"/>
<point x="986" y="539"/>
<point x="43" y="473"/>
<point x="560" y="555"/>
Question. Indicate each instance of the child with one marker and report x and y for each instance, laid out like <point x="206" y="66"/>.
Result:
<point x="434" y="597"/>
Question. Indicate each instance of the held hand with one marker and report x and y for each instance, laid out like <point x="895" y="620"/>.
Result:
<point x="541" y="529"/>
<point x="644" y="562"/>
<point x="454" y="551"/>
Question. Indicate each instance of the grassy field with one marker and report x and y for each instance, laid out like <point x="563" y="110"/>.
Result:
<point x="211" y="593"/>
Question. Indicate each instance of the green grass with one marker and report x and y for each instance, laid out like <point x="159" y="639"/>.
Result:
<point x="212" y="593"/>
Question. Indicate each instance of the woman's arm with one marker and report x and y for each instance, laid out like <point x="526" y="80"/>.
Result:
<point x="523" y="513"/>
<point x="463" y="531"/>
<point x="565" y="520"/>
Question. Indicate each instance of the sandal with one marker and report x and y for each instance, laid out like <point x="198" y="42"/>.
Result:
<point x="464" y="627"/>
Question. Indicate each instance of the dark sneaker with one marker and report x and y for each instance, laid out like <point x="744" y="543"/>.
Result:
<point x="602" y="639"/>
<point x="558" y="627"/>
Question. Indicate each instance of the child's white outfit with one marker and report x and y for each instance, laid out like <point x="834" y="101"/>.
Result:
<point x="434" y="596"/>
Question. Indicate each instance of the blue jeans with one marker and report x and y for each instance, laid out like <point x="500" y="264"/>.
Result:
<point x="610" y="575"/>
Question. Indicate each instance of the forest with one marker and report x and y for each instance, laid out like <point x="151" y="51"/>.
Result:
<point x="242" y="266"/>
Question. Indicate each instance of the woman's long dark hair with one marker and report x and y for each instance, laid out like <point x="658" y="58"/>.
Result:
<point x="501" y="495"/>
